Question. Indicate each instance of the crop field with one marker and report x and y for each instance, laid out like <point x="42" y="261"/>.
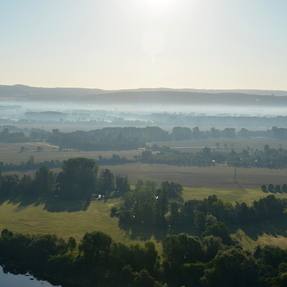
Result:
<point x="211" y="177"/>
<point x="222" y="144"/>
<point x="219" y="176"/>
<point x="10" y="153"/>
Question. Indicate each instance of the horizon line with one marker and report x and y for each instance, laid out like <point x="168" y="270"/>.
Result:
<point x="143" y="88"/>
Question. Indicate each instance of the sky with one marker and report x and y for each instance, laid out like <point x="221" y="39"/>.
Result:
<point x="116" y="44"/>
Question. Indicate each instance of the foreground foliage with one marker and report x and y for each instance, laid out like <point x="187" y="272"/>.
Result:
<point x="98" y="261"/>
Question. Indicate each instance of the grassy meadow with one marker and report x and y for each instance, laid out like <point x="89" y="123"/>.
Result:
<point x="247" y="195"/>
<point x="36" y="220"/>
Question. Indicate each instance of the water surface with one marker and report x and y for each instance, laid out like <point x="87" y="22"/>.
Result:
<point x="12" y="280"/>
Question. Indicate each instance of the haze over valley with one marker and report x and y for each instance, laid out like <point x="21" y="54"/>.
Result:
<point x="94" y="108"/>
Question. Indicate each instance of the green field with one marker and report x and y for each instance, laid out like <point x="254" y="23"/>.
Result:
<point x="35" y="219"/>
<point x="235" y="195"/>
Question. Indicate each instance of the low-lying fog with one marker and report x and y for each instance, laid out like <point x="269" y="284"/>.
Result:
<point x="88" y="116"/>
<point x="18" y="108"/>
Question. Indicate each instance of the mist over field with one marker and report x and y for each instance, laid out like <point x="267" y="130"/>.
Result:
<point x="22" y="105"/>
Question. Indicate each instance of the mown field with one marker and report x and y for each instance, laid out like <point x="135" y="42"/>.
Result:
<point x="35" y="219"/>
<point x="210" y="177"/>
<point x="10" y="153"/>
<point x="226" y="144"/>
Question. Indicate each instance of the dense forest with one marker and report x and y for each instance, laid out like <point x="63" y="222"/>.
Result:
<point x="186" y="260"/>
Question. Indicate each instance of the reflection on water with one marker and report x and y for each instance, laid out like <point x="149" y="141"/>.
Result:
<point x="11" y="280"/>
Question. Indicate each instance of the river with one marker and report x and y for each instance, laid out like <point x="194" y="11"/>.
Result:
<point x="12" y="280"/>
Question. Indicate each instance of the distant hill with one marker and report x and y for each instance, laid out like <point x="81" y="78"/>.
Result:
<point x="145" y="96"/>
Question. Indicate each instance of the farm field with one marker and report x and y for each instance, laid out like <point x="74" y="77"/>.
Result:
<point x="210" y="177"/>
<point x="222" y="144"/>
<point x="10" y="153"/>
<point x="219" y="176"/>
<point x="247" y="195"/>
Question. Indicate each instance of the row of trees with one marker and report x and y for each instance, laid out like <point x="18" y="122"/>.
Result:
<point x="274" y="188"/>
<point x="99" y="261"/>
<point x="108" y="138"/>
<point x="183" y="133"/>
<point x="79" y="179"/>
<point x="130" y="137"/>
<point x="267" y="158"/>
<point x="31" y="164"/>
<point x="13" y="137"/>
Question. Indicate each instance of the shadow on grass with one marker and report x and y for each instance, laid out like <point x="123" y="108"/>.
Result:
<point x="271" y="227"/>
<point x="59" y="205"/>
<point x="50" y="204"/>
<point x="142" y="232"/>
<point x="275" y="227"/>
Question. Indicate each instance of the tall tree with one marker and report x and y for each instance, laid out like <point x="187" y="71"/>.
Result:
<point x="78" y="178"/>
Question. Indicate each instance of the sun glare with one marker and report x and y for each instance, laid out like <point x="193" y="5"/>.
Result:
<point x="157" y="7"/>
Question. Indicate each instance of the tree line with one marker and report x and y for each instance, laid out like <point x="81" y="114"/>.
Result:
<point x="266" y="158"/>
<point x="274" y="188"/>
<point x="31" y="164"/>
<point x="79" y="179"/>
<point x="186" y="260"/>
<point x="130" y="137"/>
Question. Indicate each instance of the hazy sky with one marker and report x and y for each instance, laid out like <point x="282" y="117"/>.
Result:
<point x="144" y="43"/>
